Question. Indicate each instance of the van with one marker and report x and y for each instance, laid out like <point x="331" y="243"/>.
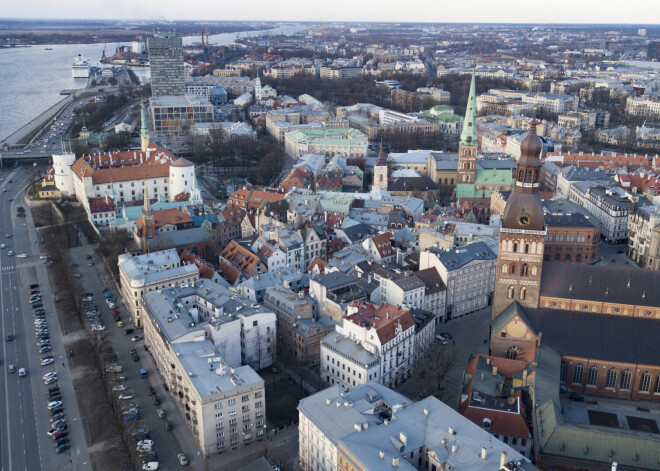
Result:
<point x="21" y="372"/>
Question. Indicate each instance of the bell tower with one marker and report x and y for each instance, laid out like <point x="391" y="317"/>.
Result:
<point x="380" y="170"/>
<point x="522" y="234"/>
<point x="467" y="146"/>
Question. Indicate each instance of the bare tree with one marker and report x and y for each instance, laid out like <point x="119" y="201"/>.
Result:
<point x="432" y="369"/>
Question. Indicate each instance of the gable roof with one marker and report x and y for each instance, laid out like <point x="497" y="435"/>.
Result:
<point x="514" y="309"/>
<point x="384" y="318"/>
<point x="605" y="283"/>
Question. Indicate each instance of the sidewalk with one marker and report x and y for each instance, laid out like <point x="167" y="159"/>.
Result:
<point x="80" y="458"/>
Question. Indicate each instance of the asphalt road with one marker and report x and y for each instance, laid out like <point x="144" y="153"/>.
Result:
<point x="24" y="444"/>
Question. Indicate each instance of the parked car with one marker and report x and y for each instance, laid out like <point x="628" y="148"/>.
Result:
<point x="119" y="387"/>
<point x="62" y="448"/>
<point x="56" y="417"/>
<point x="183" y="461"/>
<point x="135" y="338"/>
<point x="161" y="413"/>
<point x="54" y="405"/>
<point x="60" y="434"/>
<point x="154" y="400"/>
<point x="126" y="395"/>
<point x="47" y="361"/>
<point x="167" y="424"/>
<point x="151" y="391"/>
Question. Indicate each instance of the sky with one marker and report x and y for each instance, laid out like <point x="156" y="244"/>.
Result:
<point x="432" y="11"/>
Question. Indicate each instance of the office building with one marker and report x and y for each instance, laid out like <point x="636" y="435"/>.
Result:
<point x="166" y="65"/>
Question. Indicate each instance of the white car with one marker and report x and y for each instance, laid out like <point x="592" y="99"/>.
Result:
<point x="21" y="255"/>
<point x="47" y="361"/>
<point x="49" y="375"/>
<point x="119" y="387"/>
<point x="10" y="253"/>
<point x="3" y="246"/>
<point x="126" y="396"/>
<point x="54" y="404"/>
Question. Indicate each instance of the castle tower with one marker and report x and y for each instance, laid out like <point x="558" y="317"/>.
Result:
<point x="522" y="234"/>
<point x="467" y="146"/>
<point x="144" y="131"/>
<point x="257" y="87"/>
<point x="380" y="170"/>
<point x="182" y="174"/>
<point x="62" y="168"/>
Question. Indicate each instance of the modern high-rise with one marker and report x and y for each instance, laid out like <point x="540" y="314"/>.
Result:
<point x="166" y="65"/>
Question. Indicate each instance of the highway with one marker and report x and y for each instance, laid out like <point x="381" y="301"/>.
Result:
<point x="24" y="444"/>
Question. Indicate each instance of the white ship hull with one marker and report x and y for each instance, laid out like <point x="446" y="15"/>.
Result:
<point x="80" y="72"/>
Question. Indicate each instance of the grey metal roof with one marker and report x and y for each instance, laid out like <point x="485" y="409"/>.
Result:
<point x="335" y="280"/>
<point x="599" y="336"/>
<point x="458" y="257"/>
<point x="603" y="283"/>
<point x="349" y="349"/>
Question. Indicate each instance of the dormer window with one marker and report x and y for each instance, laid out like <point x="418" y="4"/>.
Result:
<point x="485" y="423"/>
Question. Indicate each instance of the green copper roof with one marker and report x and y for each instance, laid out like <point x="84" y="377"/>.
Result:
<point x="143" y="130"/>
<point x="469" y="133"/>
<point x="494" y="177"/>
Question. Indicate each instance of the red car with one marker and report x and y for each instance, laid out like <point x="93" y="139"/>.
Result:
<point x="60" y="434"/>
<point x="34" y="291"/>
<point x="115" y="311"/>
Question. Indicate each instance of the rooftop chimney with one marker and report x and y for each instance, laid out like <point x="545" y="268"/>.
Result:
<point x="483" y="453"/>
<point x="454" y="447"/>
<point x="395" y="462"/>
<point x="451" y="430"/>
<point x="503" y="458"/>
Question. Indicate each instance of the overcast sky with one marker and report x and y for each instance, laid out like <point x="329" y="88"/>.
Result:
<point x="437" y="11"/>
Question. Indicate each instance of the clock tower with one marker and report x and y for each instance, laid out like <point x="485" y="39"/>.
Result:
<point x="522" y="233"/>
<point x="467" y="146"/>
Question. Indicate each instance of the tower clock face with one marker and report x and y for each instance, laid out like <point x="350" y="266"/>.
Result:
<point x="469" y="139"/>
<point x="524" y="219"/>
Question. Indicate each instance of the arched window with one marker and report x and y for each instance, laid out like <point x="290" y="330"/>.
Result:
<point x="505" y="269"/>
<point x="645" y="382"/>
<point x="611" y="379"/>
<point x="533" y="271"/>
<point x="523" y="293"/>
<point x="557" y="256"/>
<point x="562" y="372"/>
<point x="577" y="374"/>
<point x="526" y="248"/>
<point x="593" y="376"/>
<point x="512" y="270"/>
<point x="539" y="249"/>
<point x="625" y="380"/>
<point x="510" y="292"/>
<point x="578" y="257"/>
<point x="524" y="270"/>
<point x="533" y="248"/>
<point x="515" y="247"/>
<point x="567" y="257"/>
<point x="656" y="390"/>
<point x="510" y="246"/>
<point x="512" y="352"/>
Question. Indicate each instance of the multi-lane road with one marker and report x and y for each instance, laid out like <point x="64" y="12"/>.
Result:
<point x="24" y="444"/>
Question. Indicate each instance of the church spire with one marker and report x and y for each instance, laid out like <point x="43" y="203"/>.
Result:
<point x="469" y="132"/>
<point x="381" y="158"/>
<point x="144" y="131"/>
<point x="147" y="212"/>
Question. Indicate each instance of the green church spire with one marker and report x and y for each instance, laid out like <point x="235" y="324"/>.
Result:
<point x="469" y="133"/>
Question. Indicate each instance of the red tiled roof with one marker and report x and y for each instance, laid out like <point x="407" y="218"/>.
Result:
<point x="166" y="216"/>
<point x="316" y="262"/>
<point x="384" y="318"/>
<point x="205" y="268"/>
<point x="240" y="257"/>
<point x="124" y="165"/>
<point x="228" y="272"/>
<point x="383" y="243"/>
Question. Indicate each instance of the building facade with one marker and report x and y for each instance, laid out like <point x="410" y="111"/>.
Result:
<point x="166" y="65"/>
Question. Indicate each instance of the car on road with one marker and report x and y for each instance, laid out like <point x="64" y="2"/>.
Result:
<point x="167" y="424"/>
<point x="151" y="391"/>
<point x="441" y="339"/>
<point x="135" y="338"/>
<point x="10" y="253"/>
<point x="58" y="410"/>
<point x="51" y="374"/>
<point x="119" y="387"/>
<point x="183" y="461"/>
<point x="50" y="380"/>
<point x="126" y="396"/>
<point x="33" y="291"/>
<point x="11" y="369"/>
<point x="53" y="431"/>
<point x="150" y="466"/>
<point x="9" y="337"/>
<point x="135" y="357"/>
<point x="54" y="405"/>
<point x="161" y="413"/>
<point x="154" y="400"/>
<point x="62" y="448"/>
<point x="59" y="423"/>
<point x="21" y="372"/>
<point x="61" y="441"/>
<point x="47" y="361"/>
<point x="56" y="417"/>
<point x="128" y="331"/>
<point x="60" y="434"/>
<point x="3" y="246"/>
<point x="120" y="324"/>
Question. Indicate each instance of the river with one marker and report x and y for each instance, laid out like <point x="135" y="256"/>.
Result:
<point x="32" y="77"/>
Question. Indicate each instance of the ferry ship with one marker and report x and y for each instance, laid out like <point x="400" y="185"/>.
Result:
<point x="80" y="67"/>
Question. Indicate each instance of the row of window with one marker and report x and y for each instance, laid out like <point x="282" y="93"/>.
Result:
<point x="613" y="380"/>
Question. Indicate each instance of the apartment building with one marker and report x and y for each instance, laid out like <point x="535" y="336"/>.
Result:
<point x="373" y="343"/>
<point x="149" y="272"/>
<point x="645" y="106"/>
<point x="644" y="236"/>
<point x="320" y="427"/>
<point x="372" y="428"/>
<point x="202" y="338"/>
<point x="611" y="206"/>
<point x="468" y="273"/>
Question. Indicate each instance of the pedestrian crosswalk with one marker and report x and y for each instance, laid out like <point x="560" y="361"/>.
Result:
<point x="9" y="268"/>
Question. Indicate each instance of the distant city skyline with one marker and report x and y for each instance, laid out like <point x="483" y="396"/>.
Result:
<point x="426" y="11"/>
